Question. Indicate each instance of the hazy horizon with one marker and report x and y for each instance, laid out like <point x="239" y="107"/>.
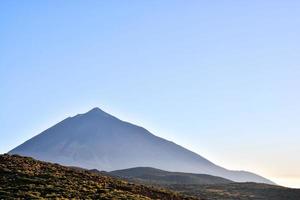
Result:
<point x="219" y="79"/>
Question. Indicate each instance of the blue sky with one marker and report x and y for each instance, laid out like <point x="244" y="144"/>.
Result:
<point x="218" y="77"/>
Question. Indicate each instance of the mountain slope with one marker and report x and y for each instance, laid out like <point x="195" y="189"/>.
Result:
<point x="26" y="178"/>
<point x="98" y="140"/>
<point x="157" y="176"/>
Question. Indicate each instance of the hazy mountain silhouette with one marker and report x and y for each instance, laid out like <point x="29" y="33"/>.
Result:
<point x="99" y="140"/>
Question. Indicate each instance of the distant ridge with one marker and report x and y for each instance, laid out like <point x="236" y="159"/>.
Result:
<point x="161" y="177"/>
<point x="205" y="186"/>
<point x="99" y="140"/>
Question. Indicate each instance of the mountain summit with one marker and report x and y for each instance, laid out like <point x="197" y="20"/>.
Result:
<point x="98" y="140"/>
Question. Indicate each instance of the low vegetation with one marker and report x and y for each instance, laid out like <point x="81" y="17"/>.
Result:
<point x="238" y="191"/>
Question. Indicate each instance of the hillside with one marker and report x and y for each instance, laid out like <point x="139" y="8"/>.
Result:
<point x="98" y="140"/>
<point x="157" y="176"/>
<point x="26" y="178"/>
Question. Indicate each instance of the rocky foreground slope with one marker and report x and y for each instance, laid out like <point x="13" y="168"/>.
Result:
<point x="26" y="178"/>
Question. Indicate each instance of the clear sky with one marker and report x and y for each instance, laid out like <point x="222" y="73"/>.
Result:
<point x="221" y="78"/>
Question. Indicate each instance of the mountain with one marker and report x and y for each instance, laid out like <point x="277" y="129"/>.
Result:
<point x="26" y="178"/>
<point x="161" y="177"/>
<point x="99" y="140"/>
